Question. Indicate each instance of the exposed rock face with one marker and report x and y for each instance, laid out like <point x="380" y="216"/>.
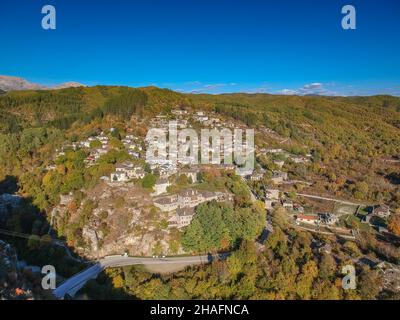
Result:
<point x="14" y="83"/>
<point x="122" y="219"/>
<point x="91" y="236"/>
<point x="390" y="276"/>
<point x="8" y="83"/>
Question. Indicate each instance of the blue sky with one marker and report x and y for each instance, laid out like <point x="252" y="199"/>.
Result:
<point x="291" y="47"/>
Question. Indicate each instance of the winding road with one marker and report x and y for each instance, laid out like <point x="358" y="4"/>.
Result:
<point x="72" y="285"/>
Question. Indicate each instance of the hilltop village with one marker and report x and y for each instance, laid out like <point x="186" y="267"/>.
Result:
<point x="170" y="192"/>
<point x="80" y="187"/>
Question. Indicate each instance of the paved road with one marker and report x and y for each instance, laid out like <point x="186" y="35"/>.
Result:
<point x="328" y="199"/>
<point x="297" y="181"/>
<point x="76" y="282"/>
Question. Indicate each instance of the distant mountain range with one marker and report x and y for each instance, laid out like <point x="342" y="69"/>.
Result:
<point x="8" y="83"/>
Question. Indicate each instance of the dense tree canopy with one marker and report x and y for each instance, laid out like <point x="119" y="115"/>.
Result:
<point x="220" y="226"/>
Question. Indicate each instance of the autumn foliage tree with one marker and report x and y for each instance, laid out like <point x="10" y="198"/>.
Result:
<point x="394" y="223"/>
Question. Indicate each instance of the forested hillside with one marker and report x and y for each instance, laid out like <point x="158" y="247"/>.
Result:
<point x="347" y="137"/>
<point x="368" y="125"/>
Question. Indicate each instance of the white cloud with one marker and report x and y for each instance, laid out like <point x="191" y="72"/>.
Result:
<point x="313" y="86"/>
<point x="316" y="88"/>
<point x="289" y="92"/>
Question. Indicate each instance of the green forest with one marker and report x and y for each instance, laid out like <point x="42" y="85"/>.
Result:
<point x="348" y="137"/>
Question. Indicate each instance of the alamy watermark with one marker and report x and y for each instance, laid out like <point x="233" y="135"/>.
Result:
<point x="214" y="146"/>
<point x="349" y="20"/>
<point x="49" y="20"/>
<point x="49" y="280"/>
<point x="349" y="280"/>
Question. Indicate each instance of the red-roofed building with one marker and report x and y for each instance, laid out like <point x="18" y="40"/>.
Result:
<point x="305" y="218"/>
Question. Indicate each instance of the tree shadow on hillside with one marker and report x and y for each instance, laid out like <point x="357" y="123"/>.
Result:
<point x="36" y="242"/>
<point x="393" y="178"/>
<point x="9" y="185"/>
<point x="25" y="227"/>
<point x="103" y="288"/>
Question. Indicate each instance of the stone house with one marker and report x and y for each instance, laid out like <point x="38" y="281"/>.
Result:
<point x="257" y="175"/>
<point x="278" y="177"/>
<point x="189" y="199"/>
<point x="274" y="151"/>
<point x="271" y="198"/>
<point x="126" y="171"/>
<point x="184" y="216"/>
<point x="167" y="203"/>
<point x="161" y="186"/>
<point x="287" y="204"/>
<point x="382" y="211"/>
<point x="328" y="218"/>
<point x="118" y="177"/>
